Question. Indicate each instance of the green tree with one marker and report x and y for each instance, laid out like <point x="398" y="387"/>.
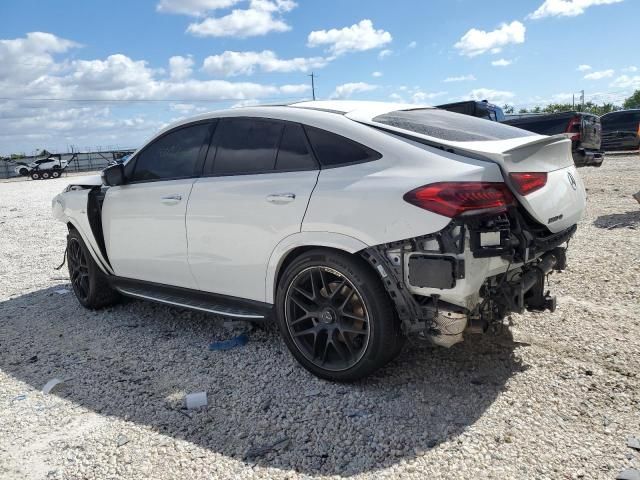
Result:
<point x="508" y="109"/>
<point x="633" y="101"/>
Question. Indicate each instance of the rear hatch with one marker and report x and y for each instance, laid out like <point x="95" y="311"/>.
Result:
<point x="558" y="203"/>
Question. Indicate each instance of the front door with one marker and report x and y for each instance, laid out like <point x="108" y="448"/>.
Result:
<point x="144" y="220"/>
<point x="258" y="180"/>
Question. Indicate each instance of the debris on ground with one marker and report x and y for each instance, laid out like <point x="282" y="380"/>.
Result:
<point x="633" y="442"/>
<point x="61" y="291"/>
<point x="50" y="385"/>
<point x="260" y="451"/>
<point x="121" y="440"/>
<point x="630" y="474"/>
<point x="234" y="342"/>
<point x="196" y="400"/>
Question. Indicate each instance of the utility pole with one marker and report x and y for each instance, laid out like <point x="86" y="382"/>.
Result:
<point x="582" y="100"/>
<point x="313" y="85"/>
<point x="573" y="102"/>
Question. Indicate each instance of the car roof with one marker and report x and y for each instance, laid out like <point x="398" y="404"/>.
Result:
<point x="302" y="111"/>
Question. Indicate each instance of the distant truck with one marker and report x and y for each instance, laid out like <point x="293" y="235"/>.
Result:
<point x="45" y="168"/>
<point x="480" y="109"/>
<point x="583" y="129"/>
<point x="621" y="130"/>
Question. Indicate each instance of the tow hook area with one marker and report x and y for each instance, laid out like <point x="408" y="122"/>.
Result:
<point x="527" y="292"/>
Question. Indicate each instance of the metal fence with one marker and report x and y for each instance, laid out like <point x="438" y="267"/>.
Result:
<point x="77" y="161"/>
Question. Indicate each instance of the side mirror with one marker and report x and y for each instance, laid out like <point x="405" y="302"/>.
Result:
<point x="113" y="175"/>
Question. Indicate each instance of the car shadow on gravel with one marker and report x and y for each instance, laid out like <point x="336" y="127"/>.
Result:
<point x="136" y="361"/>
<point x="619" y="220"/>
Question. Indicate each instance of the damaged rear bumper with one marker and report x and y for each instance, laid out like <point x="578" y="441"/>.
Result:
<point x="471" y="274"/>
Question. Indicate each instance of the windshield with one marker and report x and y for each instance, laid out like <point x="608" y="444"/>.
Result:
<point x="450" y="126"/>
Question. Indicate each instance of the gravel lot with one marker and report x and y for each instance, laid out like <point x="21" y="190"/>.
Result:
<point x="553" y="396"/>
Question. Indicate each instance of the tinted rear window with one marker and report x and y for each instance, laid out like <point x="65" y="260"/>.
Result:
<point x="449" y="126"/>
<point x="543" y="126"/>
<point x="246" y="145"/>
<point x="294" y="153"/>
<point x="334" y="150"/>
<point x="621" y="121"/>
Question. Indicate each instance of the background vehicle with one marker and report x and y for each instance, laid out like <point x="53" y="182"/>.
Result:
<point x="354" y="224"/>
<point x="482" y="109"/>
<point x="621" y="130"/>
<point x="583" y="129"/>
<point x="50" y="167"/>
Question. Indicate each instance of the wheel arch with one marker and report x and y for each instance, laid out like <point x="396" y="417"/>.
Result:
<point x="294" y="245"/>
<point x="97" y="257"/>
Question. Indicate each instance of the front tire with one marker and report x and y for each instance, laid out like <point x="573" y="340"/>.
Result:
<point x="335" y="316"/>
<point x="35" y="176"/>
<point x="55" y="174"/>
<point x="45" y="175"/>
<point x="89" y="283"/>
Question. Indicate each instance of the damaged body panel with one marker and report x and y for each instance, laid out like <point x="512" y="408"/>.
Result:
<point x="472" y="273"/>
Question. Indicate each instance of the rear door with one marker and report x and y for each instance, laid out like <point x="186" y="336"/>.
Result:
<point x="144" y="220"/>
<point x="258" y="178"/>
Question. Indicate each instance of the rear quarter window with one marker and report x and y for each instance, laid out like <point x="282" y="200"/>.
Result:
<point x="334" y="150"/>
<point x="450" y="126"/>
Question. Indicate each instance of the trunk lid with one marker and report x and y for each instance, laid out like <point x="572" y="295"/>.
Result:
<point x="558" y="205"/>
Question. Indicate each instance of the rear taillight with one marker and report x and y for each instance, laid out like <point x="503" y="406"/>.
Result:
<point x="574" y="127"/>
<point x="525" y="183"/>
<point x="455" y="198"/>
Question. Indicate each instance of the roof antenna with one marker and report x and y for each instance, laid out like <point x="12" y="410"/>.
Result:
<point x="313" y="85"/>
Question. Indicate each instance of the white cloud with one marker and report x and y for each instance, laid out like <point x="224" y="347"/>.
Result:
<point x="413" y="44"/>
<point x="384" y="53"/>
<point x="356" y="38"/>
<point x="501" y="63"/>
<point x="630" y="69"/>
<point x="599" y="75"/>
<point x="260" y="18"/>
<point x="193" y="7"/>
<point x="584" y="68"/>
<point x="297" y="89"/>
<point x="180" y="67"/>
<point x="245" y="63"/>
<point x="246" y="103"/>
<point x="98" y="96"/>
<point x="627" y="81"/>
<point x="494" y="96"/>
<point x="376" y="74"/>
<point x="415" y="95"/>
<point x="348" y="89"/>
<point x="461" y="78"/>
<point x="566" y="8"/>
<point x="476" y="42"/>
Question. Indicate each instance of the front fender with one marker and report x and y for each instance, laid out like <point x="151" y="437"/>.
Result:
<point x="338" y="241"/>
<point x="71" y="208"/>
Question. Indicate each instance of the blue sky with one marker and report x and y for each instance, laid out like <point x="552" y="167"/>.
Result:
<point x="149" y="62"/>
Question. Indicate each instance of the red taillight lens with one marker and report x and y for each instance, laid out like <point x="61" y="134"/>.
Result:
<point x="455" y="198"/>
<point x="525" y="183"/>
<point x="574" y="128"/>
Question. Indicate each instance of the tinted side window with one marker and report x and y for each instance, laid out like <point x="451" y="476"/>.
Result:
<point x="246" y="145"/>
<point x="294" y="153"/>
<point x="334" y="150"/>
<point x="173" y="155"/>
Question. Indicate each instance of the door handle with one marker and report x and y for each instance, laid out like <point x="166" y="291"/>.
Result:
<point x="171" y="199"/>
<point x="281" y="198"/>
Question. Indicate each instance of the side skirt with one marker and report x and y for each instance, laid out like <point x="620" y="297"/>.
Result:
<point x="222" y="305"/>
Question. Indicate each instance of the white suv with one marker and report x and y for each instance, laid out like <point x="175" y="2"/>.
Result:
<point x="353" y="224"/>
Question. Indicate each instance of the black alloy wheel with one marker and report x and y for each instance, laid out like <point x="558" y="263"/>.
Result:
<point x="78" y="269"/>
<point x="327" y="318"/>
<point x="335" y="315"/>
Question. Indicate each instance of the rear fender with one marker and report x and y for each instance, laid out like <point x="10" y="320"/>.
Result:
<point x="305" y="239"/>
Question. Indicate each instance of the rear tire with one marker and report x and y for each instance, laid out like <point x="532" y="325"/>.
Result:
<point x="35" y="176"/>
<point x="89" y="283"/>
<point x="335" y="316"/>
<point x="45" y="175"/>
<point x="55" y="174"/>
